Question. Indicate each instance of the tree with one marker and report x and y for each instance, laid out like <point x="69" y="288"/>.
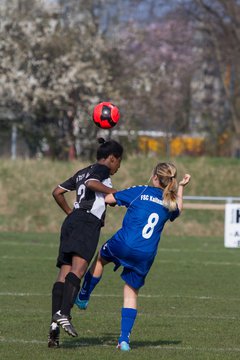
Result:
<point x="51" y="67"/>
<point x="159" y="62"/>
<point x="218" y="23"/>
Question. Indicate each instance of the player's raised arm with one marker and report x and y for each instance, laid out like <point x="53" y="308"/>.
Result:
<point x="185" y="180"/>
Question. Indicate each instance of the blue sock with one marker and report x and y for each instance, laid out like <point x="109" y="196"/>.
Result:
<point x="128" y="318"/>
<point x="88" y="285"/>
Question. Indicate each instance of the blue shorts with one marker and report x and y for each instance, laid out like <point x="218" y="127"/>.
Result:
<point x="129" y="275"/>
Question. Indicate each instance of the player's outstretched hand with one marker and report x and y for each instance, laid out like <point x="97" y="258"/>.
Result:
<point x="185" y="180"/>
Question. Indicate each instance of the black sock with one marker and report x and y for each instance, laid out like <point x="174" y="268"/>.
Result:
<point x="57" y="296"/>
<point x="71" y="288"/>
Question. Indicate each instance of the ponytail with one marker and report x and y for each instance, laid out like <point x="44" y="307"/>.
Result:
<point x="170" y="195"/>
<point x="167" y="173"/>
<point x="101" y="140"/>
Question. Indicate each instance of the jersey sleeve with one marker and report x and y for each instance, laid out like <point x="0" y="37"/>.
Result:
<point x="174" y="214"/>
<point x="69" y="184"/>
<point x="98" y="172"/>
<point x="125" y="197"/>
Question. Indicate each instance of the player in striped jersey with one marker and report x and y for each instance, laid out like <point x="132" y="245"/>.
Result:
<point x="80" y="231"/>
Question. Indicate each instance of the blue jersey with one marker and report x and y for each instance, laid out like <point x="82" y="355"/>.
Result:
<point x="136" y="243"/>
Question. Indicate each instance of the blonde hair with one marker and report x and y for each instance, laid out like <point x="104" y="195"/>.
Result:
<point x="167" y="173"/>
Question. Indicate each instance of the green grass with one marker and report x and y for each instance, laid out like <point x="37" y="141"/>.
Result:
<point x="188" y="309"/>
<point x="26" y="203"/>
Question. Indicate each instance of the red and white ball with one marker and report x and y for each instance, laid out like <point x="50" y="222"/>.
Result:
<point x="106" y="115"/>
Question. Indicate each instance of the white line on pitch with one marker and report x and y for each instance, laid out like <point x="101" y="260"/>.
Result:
<point x="143" y="314"/>
<point x="82" y="344"/>
<point x="190" y="348"/>
<point x="7" y="257"/>
<point x="177" y="296"/>
<point x="205" y="263"/>
<point x="15" y="243"/>
<point x="21" y="341"/>
<point x="55" y="245"/>
<point x="177" y="250"/>
<point x="160" y="261"/>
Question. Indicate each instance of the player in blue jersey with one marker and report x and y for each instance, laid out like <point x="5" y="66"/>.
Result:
<point x="135" y="245"/>
<point x="80" y="231"/>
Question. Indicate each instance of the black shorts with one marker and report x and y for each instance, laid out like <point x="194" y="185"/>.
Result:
<point x="80" y="234"/>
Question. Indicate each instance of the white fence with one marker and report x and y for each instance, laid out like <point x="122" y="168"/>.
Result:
<point x="231" y="205"/>
<point x="209" y="202"/>
<point x="226" y="199"/>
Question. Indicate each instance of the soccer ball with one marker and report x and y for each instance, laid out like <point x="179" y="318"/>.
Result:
<point x="105" y="115"/>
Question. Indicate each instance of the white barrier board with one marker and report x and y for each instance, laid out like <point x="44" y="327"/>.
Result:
<point x="232" y="226"/>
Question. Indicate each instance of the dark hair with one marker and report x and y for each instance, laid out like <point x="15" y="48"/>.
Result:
<point x="110" y="147"/>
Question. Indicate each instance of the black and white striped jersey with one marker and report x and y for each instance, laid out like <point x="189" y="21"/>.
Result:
<point x="87" y="199"/>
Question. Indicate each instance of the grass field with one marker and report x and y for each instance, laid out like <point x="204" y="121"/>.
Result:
<point x="189" y="308"/>
<point x="26" y="203"/>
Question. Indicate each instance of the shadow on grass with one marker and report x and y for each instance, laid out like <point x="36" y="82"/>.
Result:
<point x="156" y="343"/>
<point x="107" y="340"/>
<point x="111" y="340"/>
